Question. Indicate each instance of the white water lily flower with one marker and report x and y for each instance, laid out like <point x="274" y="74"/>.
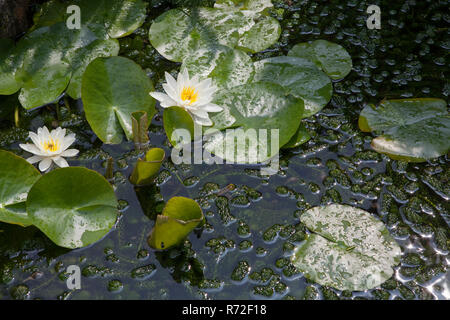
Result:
<point x="50" y="146"/>
<point x="191" y="94"/>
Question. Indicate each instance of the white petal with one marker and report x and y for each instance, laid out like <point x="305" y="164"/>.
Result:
<point x="171" y="81"/>
<point x="211" y="107"/>
<point x="31" y="148"/>
<point x="67" y="141"/>
<point x="35" y="138"/>
<point x="34" y="159"/>
<point x="45" y="164"/>
<point x="170" y="91"/>
<point x="45" y="133"/>
<point x="164" y="99"/>
<point x="202" y="121"/>
<point x="200" y="113"/>
<point x="60" y="162"/>
<point x="69" y="153"/>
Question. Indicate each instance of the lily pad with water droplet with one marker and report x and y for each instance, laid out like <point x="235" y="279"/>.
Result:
<point x="112" y="89"/>
<point x="330" y="57"/>
<point x="348" y="250"/>
<point x="226" y="67"/>
<point x="17" y="177"/>
<point x="250" y="108"/>
<point x="74" y="207"/>
<point x="299" y="77"/>
<point x="412" y="129"/>
<point x="178" y="33"/>
<point x="180" y="216"/>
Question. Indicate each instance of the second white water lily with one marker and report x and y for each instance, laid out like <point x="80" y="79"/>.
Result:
<point x="49" y="147"/>
<point x="191" y="94"/>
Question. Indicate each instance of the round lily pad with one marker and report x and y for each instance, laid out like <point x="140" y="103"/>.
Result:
<point x="74" y="206"/>
<point x="17" y="177"/>
<point x="348" y="249"/>
<point x="332" y="58"/>
<point x="412" y="129"/>
<point x="299" y="77"/>
<point x="177" y="118"/>
<point x="112" y="89"/>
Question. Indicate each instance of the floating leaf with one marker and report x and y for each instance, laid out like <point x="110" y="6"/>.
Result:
<point x="177" y="118"/>
<point x="178" y="33"/>
<point x="114" y="18"/>
<point x="84" y="56"/>
<point x="253" y="107"/>
<point x="17" y="177"/>
<point x="348" y="250"/>
<point x="145" y="170"/>
<point x="226" y="67"/>
<point x="112" y="89"/>
<point x="299" y="77"/>
<point x="52" y="58"/>
<point x="74" y="206"/>
<point x="253" y="6"/>
<point x="412" y="129"/>
<point x="300" y="137"/>
<point x="8" y="67"/>
<point x="179" y="217"/>
<point x="332" y="58"/>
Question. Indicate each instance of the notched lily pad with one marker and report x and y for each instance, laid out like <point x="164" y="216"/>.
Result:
<point x="180" y="216"/>
<point x="348" y="250"/>
<point x="17" y="177"/>
<point x="330" y="57"/>
<point x="74" y="207"/>
<point x="146" y="169"/>
<point x="412" y="129"/>
<point x="112" y="89"/>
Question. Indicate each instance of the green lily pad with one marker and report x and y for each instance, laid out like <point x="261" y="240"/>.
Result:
<point x="146" y="169"/>
<point x="226" y="67"/>
<point x="299" y="138"/>
<point x="412" y="129"/>
<point x="177" y="33"/>
<point x="17" y="177"/>
<point x="252" y="107"/>
<point x="348" y="250"/>
<point x="332" y="58"/>
<point x="112" y="89"/>
<point x="8" y="83"/>
<point x="84" y="56"/>
<point x="74" y="207"/>
<point x="179" y="217"/>
<point x="177" y="118"/>
<point x="254" y="6"/>
<point x="299" y="77"/>
<point x="113" y="18"/>
<point x="52" y="58"/>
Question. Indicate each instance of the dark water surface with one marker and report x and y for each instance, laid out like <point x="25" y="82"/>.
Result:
<point x="252" y="222"/>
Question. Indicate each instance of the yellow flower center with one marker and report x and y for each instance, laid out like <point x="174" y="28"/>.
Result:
<point x="188" y="93"/>
<point x="51" y="145"/>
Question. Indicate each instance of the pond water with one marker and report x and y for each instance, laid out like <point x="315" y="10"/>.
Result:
<point x="252" y="221"/>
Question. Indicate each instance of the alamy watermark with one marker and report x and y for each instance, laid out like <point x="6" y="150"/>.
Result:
<point x="374" y="20"/>
<point x="74" y="280"/>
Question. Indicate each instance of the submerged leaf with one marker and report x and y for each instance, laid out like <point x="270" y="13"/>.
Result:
<point x="180" y="216"/>
<point x="74" y="207"/>
<point x="17" y="177"/>
<point x="348" y="250"/>
<point x="412" y="129"/>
